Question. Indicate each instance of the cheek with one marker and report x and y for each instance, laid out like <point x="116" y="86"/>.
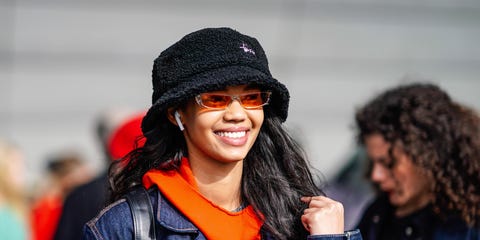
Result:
<point x="257" y="122"/>
<point x="257" y="117"/>
<point x="201" y="121"/>
<point x="403" y="177"/>
<point x="412" y="182"/>
<point x="421" y="182"/>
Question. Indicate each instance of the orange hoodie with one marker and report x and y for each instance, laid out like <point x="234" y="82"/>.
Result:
<point x="180" y="188"/>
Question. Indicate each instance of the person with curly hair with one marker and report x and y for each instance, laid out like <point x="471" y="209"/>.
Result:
<point x="424" y="157"/>
<point x="217" y="161"/>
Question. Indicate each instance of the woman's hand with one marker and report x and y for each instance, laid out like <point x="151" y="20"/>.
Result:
<point x="323" y="216"/>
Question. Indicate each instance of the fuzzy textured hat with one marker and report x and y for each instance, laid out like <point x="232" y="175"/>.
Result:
<point x="207" y="60"/>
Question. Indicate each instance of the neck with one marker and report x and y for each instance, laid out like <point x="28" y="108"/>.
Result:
<point x="219" y="182"/>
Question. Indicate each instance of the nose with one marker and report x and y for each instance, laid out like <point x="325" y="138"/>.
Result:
<point x="379" y="173"/>
<point x="235" y="112"/>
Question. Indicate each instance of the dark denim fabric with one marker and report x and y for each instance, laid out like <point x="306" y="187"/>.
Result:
<point x="115" y="222"/>
<point x="453" y="229"/>
<point x="350" y="235"/>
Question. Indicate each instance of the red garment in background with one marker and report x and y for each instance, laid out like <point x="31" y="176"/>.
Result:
<point x="45" y="216"/>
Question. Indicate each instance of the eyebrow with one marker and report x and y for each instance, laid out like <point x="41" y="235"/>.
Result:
<point x="247" y="87"/>
<point x="383" y="160"/>
<point x="252" y="86"/>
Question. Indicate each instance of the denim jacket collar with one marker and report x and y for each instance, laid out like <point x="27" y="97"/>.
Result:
<point x="169" y="217"/>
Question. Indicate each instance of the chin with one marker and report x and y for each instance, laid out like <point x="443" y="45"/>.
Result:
<point x="235" y="157"/>
<point x="230" y="157"/>
<point x="396" y="200"/>
<point x="239" y="153"/>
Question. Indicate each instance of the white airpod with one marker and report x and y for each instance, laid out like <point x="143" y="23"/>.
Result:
<point x="177" y="119"/>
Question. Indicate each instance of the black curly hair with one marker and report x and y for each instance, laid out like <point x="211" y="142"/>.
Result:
<point x="439" y="135"/>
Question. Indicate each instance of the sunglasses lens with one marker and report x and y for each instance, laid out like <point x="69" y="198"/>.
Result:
<point x="254" y="100"/>
<point x="214" y="100"/>
<point x="219" y="101"/>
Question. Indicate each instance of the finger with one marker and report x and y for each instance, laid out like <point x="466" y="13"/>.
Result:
<point x="319" y="204"/>
<point x="306" y="199"/>
<point x="305" y="221"/>
<point x="320" y="201"/>
<point x="323" y="220"/>
<point x="307" y="211"/>
<point x="321" y="198"/>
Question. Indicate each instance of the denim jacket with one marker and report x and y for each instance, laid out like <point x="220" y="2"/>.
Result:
<point x="115" y="222"/>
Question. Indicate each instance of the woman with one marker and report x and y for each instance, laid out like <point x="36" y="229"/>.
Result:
<point x="217" y="161"/>
<point x="13" y="200"/>
<point x="424" y="152"/>
<point x="65" y="171"/>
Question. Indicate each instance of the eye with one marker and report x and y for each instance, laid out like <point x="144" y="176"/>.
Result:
<point x="384" y="162"/>
<point x="389" y="164"/>
<point x="215" y="98"/>
<point x="251" y="97"/>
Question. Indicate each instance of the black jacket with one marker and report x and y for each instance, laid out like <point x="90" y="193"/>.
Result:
<point x="378" y="223"/>
<point x="81" y="205"/>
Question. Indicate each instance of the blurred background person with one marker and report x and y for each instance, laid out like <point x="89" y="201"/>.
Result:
<point x="64" y="171"/>
<point x="424" y="155"/>
<point x="13" y="201"/>
<point x="117" y="130"/>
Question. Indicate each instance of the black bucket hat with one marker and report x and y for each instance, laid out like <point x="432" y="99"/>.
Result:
<point x="207" y="60"/>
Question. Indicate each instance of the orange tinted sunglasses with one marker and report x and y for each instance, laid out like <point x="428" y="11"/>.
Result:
<point x="249" y="100"/>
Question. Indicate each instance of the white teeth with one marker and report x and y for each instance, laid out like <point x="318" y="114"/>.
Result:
<point x="232" y="134"/>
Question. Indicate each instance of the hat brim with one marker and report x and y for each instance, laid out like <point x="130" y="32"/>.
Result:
<point x="219" y="79"/>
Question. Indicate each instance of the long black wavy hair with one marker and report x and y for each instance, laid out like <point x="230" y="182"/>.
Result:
<point x="440" y="135"/>
<point x="275" y="172"/>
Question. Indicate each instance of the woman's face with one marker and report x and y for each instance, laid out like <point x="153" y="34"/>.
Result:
<point x="406" y="184"/>
<point x="224" y="135"/>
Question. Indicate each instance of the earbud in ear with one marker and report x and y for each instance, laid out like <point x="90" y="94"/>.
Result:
<point x="177" y="119"/>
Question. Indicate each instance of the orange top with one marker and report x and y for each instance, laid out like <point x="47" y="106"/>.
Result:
<point x="213" y="221"/>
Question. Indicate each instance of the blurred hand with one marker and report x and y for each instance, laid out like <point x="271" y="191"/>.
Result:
<point x="323" y="216"/>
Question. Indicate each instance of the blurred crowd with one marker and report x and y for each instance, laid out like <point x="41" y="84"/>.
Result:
<point x="69" y="192"/>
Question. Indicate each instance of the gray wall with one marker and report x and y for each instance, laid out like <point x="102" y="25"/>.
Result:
<point x="63" y="62"/>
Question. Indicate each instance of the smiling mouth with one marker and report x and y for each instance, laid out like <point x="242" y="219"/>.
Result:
<point x="232" y="134"/>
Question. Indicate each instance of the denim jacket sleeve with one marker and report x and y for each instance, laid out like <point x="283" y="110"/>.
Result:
<point x="113" y="222"/>
<point x="348" y="235"/>
<point x="88" y="234"/>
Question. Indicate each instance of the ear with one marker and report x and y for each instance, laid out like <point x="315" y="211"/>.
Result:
<point x="171" y="116"/>
<point x="174" y="117"/>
